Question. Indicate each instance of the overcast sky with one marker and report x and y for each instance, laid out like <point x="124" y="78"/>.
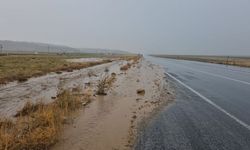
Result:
<point x="219" y="27"/>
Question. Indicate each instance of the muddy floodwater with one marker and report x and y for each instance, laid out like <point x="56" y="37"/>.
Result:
<point x="107" y="122"/>
<point x="14" y="95"/>
<point x="111" y="121"/>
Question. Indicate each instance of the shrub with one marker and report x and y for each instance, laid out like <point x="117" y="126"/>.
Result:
<point x="125" y="67"/>
<point x="105" y="83"/>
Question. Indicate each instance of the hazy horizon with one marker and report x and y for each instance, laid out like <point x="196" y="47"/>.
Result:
<point x="205" y="27"/>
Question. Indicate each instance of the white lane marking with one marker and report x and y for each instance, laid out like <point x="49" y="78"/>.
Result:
<point x="216" y="75"/>
<point x="212" y="103"/>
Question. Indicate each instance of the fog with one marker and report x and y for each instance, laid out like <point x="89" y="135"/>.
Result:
<point x="209" y="27"/>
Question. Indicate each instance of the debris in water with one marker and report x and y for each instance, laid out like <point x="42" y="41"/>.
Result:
<point x="140" y="91"/>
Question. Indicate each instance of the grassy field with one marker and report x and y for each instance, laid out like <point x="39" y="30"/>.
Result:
<point x="22" y="67"/>
<point x="236" y="61"/>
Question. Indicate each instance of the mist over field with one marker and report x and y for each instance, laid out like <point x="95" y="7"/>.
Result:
<point x="33" y="47"/>
<point x="205" y="27"/>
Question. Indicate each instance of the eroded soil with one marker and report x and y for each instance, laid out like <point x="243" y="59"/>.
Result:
<point x="107" y="122"/>
<point x="14" y="95"/>
<point x="110" y="121"/>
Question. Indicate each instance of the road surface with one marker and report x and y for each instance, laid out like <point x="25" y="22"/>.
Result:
<point x="211" y="110"/>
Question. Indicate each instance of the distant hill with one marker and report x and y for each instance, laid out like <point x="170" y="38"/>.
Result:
<point x="16" y="46"/>
<point x="32" y="47"/>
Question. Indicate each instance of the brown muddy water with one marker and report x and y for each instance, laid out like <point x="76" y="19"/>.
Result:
<point x="110" y="122"/>
<point x="14" y="95"/>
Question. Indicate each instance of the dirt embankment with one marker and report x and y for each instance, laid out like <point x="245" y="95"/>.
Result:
<point x="111" y="121"/>
<point x="226" y="60"/>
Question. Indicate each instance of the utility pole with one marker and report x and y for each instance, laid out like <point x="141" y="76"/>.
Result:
<point x="1" y="48"/>
<point x="227" y="60"/>
<point x="48" y="49"/>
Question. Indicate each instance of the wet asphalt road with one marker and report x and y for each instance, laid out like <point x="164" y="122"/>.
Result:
<point x="211" y="110"/>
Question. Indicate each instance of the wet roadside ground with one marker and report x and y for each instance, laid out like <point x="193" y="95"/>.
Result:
<point x="192" y="123"/>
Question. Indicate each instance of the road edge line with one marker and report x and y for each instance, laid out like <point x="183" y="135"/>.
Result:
<point x="210" y="102"/>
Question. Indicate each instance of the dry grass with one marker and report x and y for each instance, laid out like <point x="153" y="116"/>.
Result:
<point x="38" y="126"/>
<point x="29" y="108"/>
<point x="22" y="67"/>
<point x="105" y="83"/>
<point x="133" y="59"/>
<point x="125" y="67"/>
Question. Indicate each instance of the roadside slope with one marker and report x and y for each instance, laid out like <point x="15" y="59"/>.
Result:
<point x="110" y="122"/>
<point x="209" y="112"/>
